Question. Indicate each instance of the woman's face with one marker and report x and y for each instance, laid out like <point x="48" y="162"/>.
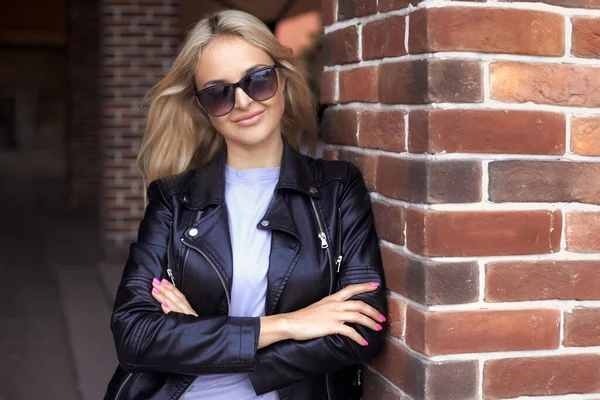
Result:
<point x="250" y="122"/>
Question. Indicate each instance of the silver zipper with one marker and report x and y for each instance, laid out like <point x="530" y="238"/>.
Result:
<point x="338" y="262"/>
<point x="127" y="378"/>
<point x="170" y="273"/>
<point x="325" y="246"/>
<point x="187" y="250"/>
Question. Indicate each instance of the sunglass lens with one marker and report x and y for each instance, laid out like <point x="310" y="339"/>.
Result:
<point x="218" y="100"/>
<point x="261" y="85"/>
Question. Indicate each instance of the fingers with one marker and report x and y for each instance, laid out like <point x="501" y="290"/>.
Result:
<point x="363" y="308"/>
<point x="352" y="334"/>
<point x="170" y="298"/>
<point x="353" y="290"/>
<point x="358" y="318"/>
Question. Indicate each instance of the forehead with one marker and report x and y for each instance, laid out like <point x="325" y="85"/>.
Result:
<point x="227" y="59"/>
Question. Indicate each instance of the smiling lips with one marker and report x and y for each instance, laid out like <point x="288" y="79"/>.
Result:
<point x="249" y="119"/>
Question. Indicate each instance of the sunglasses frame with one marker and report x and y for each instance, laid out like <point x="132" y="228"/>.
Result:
<point x="235" y="86"/>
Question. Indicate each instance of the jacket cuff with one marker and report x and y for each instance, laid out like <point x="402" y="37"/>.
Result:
<point x="249" y="331"/>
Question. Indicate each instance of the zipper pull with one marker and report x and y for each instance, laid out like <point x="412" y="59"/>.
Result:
<point x="358" y="373"/>
<point x="338" y="262"/>
<point x="170" y="273"/>
<point x="323" y="238"/>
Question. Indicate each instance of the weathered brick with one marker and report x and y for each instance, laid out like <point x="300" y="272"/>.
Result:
<point x="542" y="280"/>
<point x="541" y="376"/>
<point x="582" y="232"/>
<point x="582" y="327"/>
<point x="556" y="84"/>
<point x="585" y="136"/>
<point x="586" y="37"/>
<point x="486" y="131"/>
<point x="482" y="233"/>
<point x="340" y="126"/>
<point x="377" y="388"/>
<point x="328" y="86"/>
<point x="427" y="380"/>
<point x="544" y="181"/>
<point x="330" y="154"/>
<point x="382" y="130"/>
<point x="487" y="30"/>
<point x="359" y="84"/>
<point x="563" y="3"/>
<point x="341" y="46"/>
<point x="367" y="163"/>
<point x="428" y="282"/>
<point x="435" y="333"/>
<point x="384" y="38"/>
<point x="389" y="221"/>
<point x="328" y="14"/>
<point x="423" y="181"/>
<point x="395" y="317"/>
<point x="390" y="5"/>
<point x="356" y="8"/>
<point x="431" y="80"/>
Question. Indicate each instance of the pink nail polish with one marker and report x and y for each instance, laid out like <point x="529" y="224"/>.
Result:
<point x="382" y="317"/>
<point x="156" y="281"/>
<point x="166" y="282"/>
<point x="379" y="327"/>
<point x="365" y="342"/>
<point x="375" y="284"/>
<point x="155" y="290"/>
<point x="165" y="304"/>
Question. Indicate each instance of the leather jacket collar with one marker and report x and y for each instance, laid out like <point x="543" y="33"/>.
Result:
<point x="207" y="186"/>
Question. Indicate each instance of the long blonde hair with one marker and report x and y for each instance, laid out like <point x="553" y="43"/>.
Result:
<point x="179" y="135"/>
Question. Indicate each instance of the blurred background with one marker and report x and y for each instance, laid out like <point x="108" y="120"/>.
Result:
<point x="72" y="77"/>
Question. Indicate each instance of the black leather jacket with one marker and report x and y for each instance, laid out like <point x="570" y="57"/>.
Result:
<point x="323" y="239"/>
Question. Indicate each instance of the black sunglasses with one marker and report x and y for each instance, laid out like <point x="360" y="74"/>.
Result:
<point x="219" y="100"/>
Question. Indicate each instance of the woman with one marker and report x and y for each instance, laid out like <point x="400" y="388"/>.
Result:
<point x="256" y="273"/>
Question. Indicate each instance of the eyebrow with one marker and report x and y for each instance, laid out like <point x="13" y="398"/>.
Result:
<point x="249" y="70"/>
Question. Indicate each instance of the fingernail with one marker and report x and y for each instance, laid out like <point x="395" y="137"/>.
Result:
<point x="155" y="290"/>
<point x="165" y="304"/>
<point x="382" y="317"/>
<point x="365" y="342"/>
<point x="166" y="282"/>
<point x="156" y="281"/>
<point x="379" y="327"/>
<point x="375" y="284"/>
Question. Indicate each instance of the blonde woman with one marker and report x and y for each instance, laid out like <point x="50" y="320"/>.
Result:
<point x="256" y="273"/>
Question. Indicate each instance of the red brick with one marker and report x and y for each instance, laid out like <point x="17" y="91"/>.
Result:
<point x="341" y="46"/>
<point x="436" y="333"/>
<point x="541" y="376"/>
<point x="328" y="14"/>
<point x="340" y="126"/>
<point x="355" y="8"/>
<point x="382" y="130"/>
<point x="556" y="84"/>
<point x="428" y="282"/>
<point x="582" y="327"/>
<point x="542" y="280"/>
<point x="423" y="181"/>
<point x="482" y="233"/>
<point x="389" y="221"/>
<point x="395" y="317"/>
<point x="586" y="37"/>
<point x="377" y="388"/>
<point x="384" y="38"/>
<point x="487" y="30"/>
<point x="430" y="81"/>
<point x="330" y="154"/>
<point x="328" y="86"/>
<point x="427" y="380"/>
<point x="582" y="232"/>
<point x="389" y="5"/>
<point x="359" y="84"/>
<point x="544" y="181"/>
<point x="563" y="3"/>
<point x="367" y="163"/>
<point x="585" y="136"/>
<point x="486" y="131"/>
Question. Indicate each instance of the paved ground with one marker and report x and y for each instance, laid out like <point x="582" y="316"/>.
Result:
<point x="55" y="340"/>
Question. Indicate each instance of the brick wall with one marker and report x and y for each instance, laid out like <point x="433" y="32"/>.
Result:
<point x="477" y="127"/>
<point x="83" y="59"/>
<point x="139" y="42"/>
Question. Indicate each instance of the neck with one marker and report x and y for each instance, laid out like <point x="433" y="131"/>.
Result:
<point x="265" y="155"/>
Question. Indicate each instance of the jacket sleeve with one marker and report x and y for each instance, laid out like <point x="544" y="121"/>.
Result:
<point x="146" y="339"/>
<point x="290" y="361"/>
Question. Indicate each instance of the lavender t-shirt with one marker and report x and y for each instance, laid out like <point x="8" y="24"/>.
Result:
<point x="247" y="196"/>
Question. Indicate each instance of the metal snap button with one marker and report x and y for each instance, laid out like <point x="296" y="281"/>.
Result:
<point x="265" y="223"/>
<point x="193" y="232"/>
<point x="313" y="190"/>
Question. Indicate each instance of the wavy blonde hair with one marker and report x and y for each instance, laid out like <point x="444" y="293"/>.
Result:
<point x="179" y="135"/>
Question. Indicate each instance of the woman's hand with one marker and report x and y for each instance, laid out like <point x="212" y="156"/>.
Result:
<point x="170" y="298"/>
<point x="325" y="317"/>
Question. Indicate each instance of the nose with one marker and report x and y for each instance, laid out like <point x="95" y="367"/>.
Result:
<point x="242" y="100"/>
